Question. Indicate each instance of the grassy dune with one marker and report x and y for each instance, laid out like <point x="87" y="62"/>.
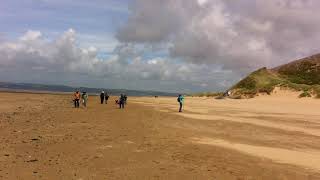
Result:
<point x="301" y="75"/>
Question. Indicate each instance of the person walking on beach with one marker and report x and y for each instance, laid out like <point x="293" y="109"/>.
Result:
<point x="84" y="99"/>
<point x="180" y="99"/>
<point x="102" y="97"/>
<point x="106" y="98"/>
<point x="125" y="99"/>
<point x="121" y="101"/>
<point x="76" y="99"/>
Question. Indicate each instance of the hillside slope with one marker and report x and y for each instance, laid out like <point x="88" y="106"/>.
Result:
<point x="303" y="71"/>
<point x="300" y="75"/>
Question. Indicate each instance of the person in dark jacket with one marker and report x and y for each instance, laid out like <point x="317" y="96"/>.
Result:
<point x="125" y="99"/>
<point x="106" y="98"/>
<point x="180" y="99"/>
<point x="102" y="97"/>
<point x="121" y="101"/>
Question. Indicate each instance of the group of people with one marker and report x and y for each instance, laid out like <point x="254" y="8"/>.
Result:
<point x="78" y="96"/>
<point x="104" y="97"/>
<point x="122" y="101"/>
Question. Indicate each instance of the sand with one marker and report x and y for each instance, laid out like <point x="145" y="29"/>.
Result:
<point x="269" y="137"/>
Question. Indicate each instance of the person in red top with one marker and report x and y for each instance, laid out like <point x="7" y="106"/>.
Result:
<point x="77" y="99"/>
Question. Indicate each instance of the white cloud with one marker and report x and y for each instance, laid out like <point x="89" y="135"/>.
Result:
<point x="240" y="35"/>
<point x="62" y="60"/>
<point x="256" y="45"/>
<point x="31" y="36"/>
<point x="202" y="2"/>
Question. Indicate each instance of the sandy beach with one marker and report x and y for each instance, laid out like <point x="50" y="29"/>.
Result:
<point x="268" y="137"/>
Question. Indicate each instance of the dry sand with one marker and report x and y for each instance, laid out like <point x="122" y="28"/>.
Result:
<point x="269" y="137"/>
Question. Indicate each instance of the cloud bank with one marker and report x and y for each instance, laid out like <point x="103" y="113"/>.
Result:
<point x="239" y="35"/>
<point x="34" y="58"/>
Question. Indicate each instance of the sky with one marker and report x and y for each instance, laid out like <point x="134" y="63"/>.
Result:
<point x="163" y="45"/>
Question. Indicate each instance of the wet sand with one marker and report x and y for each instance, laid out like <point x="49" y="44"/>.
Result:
<point x="269" y="137"/>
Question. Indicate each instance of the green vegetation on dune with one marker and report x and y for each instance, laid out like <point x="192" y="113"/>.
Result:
<point x="260" y="81"/>
<point x="305" y="94"/>
<point x="302" y="75"/>
<point x="305" y="72"/>
<point x="310" y="89"/>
